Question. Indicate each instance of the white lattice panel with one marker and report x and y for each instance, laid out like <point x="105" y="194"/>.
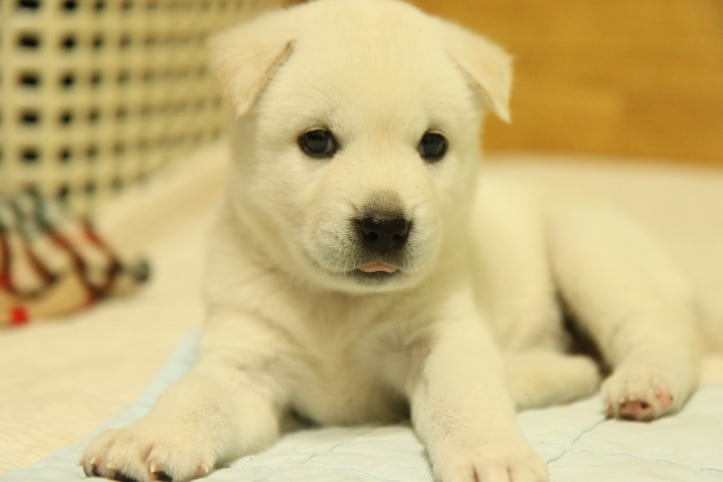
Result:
<point x="97" y="94"/>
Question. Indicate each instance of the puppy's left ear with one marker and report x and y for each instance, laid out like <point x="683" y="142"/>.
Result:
<point x="487" y="66"/>
<point x="244" y="58"/>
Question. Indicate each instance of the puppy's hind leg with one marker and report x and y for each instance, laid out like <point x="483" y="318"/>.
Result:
<point x="540" y="378"/>
<point x="637" y="308"/>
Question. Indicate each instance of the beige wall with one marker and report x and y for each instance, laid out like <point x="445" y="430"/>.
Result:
<point x="637" y="78"/>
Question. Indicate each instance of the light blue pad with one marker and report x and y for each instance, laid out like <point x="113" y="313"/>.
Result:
<point x="578" y="443"/>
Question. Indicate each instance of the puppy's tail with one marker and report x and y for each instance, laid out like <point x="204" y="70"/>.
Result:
<point x="541" y="378"/>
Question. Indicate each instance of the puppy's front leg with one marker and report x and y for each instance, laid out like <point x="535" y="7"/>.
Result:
<point x="462" y="412"/>
<point x="214" y="415"/>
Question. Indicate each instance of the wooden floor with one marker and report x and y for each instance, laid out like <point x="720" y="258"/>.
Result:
<point x="639" y="78"/>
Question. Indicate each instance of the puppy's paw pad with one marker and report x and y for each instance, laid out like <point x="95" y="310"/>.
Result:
<point x="638" y="394"/>
<point x="636" y="410"/>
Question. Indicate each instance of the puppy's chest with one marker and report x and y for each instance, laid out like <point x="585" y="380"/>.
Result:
<point x="341" y="392"/>
<point x="340" y="378"/>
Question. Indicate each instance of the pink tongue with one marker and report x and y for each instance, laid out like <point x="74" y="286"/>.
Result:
<point x="377" y="267"/>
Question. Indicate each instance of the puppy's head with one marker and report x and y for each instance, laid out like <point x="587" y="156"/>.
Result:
<point x="356" y="142"/>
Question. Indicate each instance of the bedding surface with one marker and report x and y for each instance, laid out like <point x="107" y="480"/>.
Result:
<point x="576" y="440"/>
<point x="61" y="379"/>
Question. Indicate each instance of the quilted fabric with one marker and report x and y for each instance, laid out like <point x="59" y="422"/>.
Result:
<point x="577" y="442"/>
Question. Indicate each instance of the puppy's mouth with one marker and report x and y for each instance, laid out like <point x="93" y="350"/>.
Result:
<point x="367" y="270"/>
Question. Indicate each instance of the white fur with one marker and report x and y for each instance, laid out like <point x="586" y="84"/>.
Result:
<point x="469" y="327"/>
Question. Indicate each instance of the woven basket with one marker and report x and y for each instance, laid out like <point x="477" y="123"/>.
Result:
<point x="97" y="94"/>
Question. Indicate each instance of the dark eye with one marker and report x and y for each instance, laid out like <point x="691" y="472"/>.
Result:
<point x="433" y="146"/>
<point x="318" y="143"/>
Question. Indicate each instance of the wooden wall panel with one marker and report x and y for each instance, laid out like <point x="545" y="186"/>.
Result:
<point x="639" y="78"/>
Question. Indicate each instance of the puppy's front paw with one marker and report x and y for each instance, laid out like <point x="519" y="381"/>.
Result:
<point x="490" y="462"/>
<point x="642" y="392"/>
<point x="143" y="452"/>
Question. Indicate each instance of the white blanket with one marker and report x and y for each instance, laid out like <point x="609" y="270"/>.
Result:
<point x="577" y="441"/>
<point x="59" y="380"/>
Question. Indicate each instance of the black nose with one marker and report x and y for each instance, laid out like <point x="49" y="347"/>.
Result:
<point x="382" y="234"/>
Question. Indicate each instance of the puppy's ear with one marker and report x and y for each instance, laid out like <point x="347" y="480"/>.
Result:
<point x="244" y="58"/>
<point x="487" y="66"/>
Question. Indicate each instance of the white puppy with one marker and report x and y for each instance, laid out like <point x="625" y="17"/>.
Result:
<point x="361" y="271"/>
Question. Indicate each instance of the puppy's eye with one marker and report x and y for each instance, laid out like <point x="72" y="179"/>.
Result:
<point x="433" y="146"/>
<point x="318" y="143"/>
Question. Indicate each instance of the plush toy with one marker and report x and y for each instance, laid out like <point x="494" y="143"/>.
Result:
<point x="52" y="263"/>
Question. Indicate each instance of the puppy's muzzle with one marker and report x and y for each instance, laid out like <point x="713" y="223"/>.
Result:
<point x="383" y="233"/>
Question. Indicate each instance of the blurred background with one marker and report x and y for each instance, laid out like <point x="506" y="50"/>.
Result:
<point x="97" y="94"/>
<point x="626" y="78"/>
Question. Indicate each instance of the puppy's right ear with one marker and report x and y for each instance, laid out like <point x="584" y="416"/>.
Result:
<point x="243" y="59"/>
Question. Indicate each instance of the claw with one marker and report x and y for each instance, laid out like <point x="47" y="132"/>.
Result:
<point x="163" y="477"/>
<point x="203" y="470"/>
<point x="91" y="469"/>
<point x="158" y="474"/>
